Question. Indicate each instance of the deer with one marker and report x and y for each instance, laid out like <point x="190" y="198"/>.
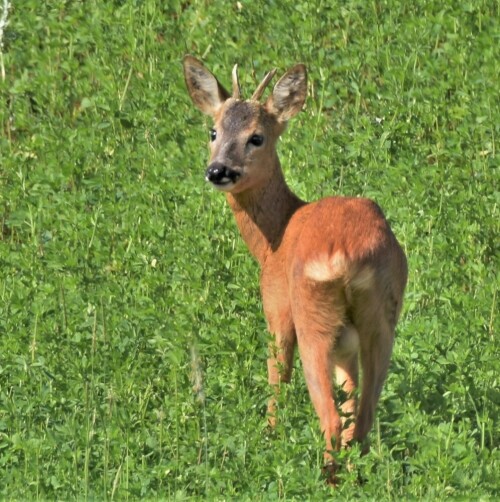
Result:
<point x="333" y="274"/>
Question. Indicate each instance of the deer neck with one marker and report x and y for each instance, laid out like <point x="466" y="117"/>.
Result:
<point x="262" y="214"/>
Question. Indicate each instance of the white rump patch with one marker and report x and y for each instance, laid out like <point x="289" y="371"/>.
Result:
<point x="324" y="269"/>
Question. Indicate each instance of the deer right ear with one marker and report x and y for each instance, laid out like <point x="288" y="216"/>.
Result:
<point x="205" y="90"/>
<point x="289" y="94"/>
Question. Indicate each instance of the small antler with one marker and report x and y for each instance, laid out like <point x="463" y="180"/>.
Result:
<point x="262" y="86"/>
<point x="236" y="83"/>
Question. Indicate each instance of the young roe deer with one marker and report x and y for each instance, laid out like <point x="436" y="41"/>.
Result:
<point x="332" y="272"/>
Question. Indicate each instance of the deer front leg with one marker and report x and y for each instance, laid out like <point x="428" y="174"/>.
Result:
<point x="279" y="366"/>
<point x="280" y="324"/>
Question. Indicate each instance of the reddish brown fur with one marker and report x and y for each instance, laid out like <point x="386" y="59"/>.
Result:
<point x="333" y="274"/>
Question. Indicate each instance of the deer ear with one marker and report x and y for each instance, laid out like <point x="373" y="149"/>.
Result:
<point x="205" y="90"/>
<point x="289" y="94"/>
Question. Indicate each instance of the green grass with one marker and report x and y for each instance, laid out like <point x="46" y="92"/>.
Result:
<point x="132" y="343"/>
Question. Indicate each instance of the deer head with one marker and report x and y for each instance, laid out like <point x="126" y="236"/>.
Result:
<point x="243" y="138"/>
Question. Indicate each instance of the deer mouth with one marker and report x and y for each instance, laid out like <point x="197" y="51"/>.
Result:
<point x="221" y="176"/>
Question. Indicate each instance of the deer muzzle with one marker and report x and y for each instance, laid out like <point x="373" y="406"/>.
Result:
<point x="220" y="175"/>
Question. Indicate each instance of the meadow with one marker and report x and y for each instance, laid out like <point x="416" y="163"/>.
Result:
<point x="132" y="339"/>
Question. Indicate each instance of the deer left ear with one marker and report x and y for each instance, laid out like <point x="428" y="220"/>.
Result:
<point x="205" y="90"/>
<point x="289" y="94"/>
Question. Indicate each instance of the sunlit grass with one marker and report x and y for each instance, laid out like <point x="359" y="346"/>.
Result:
<point x="120" y="268"/>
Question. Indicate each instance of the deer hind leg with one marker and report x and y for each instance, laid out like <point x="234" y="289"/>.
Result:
<point x="318" y="310"/>
<point x="376" y="347"/>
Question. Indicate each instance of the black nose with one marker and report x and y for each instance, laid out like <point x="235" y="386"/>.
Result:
<point x="219" y="174"/>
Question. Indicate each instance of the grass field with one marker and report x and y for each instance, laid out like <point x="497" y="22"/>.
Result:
<point x="132" y="343"/>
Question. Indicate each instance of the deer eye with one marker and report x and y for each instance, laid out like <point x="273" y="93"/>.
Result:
<point x="256" y="140"/>
<point x="213" y="134"/>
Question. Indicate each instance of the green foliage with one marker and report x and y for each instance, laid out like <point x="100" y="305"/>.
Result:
<point x="132" y="343"/>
